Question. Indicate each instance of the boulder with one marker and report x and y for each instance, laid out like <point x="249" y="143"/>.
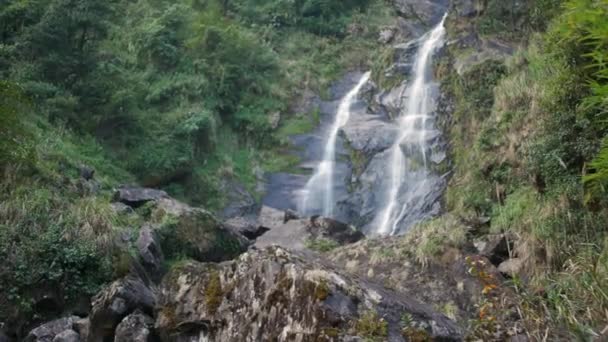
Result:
<point x="137" y="327"/>
<point x="136" y="196"/>
<point x="150" y="253"/>
<point x="195" y="233"/>
<point x="246" y="227"/>
<point x="48" y="331"/>
<point x="82" y="327"/>
<point x="67" y="336"/>
<point x="115" y="302"/>
<point x="327" y="228"/>
<point x="298" y="233"/>
<point x="275" y="295"/>
<point x="271" y="218"/>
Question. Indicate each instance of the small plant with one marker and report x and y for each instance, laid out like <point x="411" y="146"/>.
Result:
<point x="321" y="245"/>
<point x="371" y="326"/>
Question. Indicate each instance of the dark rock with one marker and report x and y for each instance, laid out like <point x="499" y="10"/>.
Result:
<point x="3" y="337"/>
<point x="196" y="233"/>
<point x="495" y="247"/>
<point x="246" y="227"/>
<point x="135" y="196"/>
<point x="137" y="327"/>
<point x="271" y="218"/>
<point x="466" y="8"/>
<point x="274" y="295"/>
<point x="47" y="331"/>
<point x="342" y="233"/>
<point x="240" y="201"/>
<point x="150" y="253"/>
<point x="67" y="336"/>
<point x="86" y="172"/>
<point x="428" y="12"/>
<point x="115" y="302"/>
<point x="290" y="215"/>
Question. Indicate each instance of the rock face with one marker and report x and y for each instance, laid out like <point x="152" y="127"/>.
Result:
<point x="67" y="336"/>
<point x="135" y="196"/>
<point x="150" y="252"/>
<point x="273" y="295"/>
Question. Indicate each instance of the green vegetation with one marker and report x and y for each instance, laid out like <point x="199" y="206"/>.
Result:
<point x="321" y="245"/>
<point x="175" y="95"/>
<point x="372" y="327"/>
<point x="527" y="150"/>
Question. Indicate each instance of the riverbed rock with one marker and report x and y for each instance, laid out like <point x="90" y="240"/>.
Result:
<point x="275" y="295"/>
<point x="327" y="228"/>
<point x="48" y="331"/>
<point x="136" y="196"/>
<point x="115" y="302"/>
<point x="137" y="327"/>
<point x="247" y="227"/>
<point x="195" y="233"/>
<point x="271" y="218"/>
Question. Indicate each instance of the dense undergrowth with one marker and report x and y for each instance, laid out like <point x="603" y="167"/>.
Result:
<point x="177" y="95"/>
<point x="526" y="137"/>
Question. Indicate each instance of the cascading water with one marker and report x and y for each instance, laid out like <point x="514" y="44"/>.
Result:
<point x="317" y="197"/>
<point x="408" y="179"/>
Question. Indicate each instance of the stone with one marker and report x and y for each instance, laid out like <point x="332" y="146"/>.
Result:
<point x="290" y="215"/>
<point x="327" y="228"/>
<point x="150" y="253"/>
<point x="137" y="327"/>
<point x="195" y="233"/>
<point x="82" y="327"/>
<point x="276" y="295"/>
<point x="271" y="218"/>
<point x="121" y="208"/>
<point x="115" y="302"/>
<point x="511" y="267"/>
<point x="246" y="227"/>
<point x="136" y="196"/>
<point x="67" y="336"/>
<point x="48" y="331"/>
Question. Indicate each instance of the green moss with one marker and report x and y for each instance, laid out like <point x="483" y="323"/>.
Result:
<point x="370" y="326"/>
<point x="322" y="290"/>
<point x="214" y="294"/>
<point x="321" y="245"/>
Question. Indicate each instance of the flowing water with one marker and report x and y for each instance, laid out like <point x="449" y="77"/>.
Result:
<point x="318" y="194"/>
<point x="409" y="177"/>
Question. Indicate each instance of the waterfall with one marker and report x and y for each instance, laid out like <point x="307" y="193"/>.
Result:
<point x="406" y="177"/>
<point x="319" y="190"/>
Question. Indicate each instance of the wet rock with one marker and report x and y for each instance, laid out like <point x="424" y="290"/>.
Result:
<point x="342" y="233"/>
<point x="195" y="232"/>
<point x="274" y="295"/>
<point x="115" y="302"/>
<point x="67" y="336"/>
<point x="136" y="196"/>
<point x="48" y="331"/>
<point x="246" y="227"/>
<point x="137" y="327"/>
<point x="290" y="215"/>
<point x="428" y="12"/>
<point x="150" y="253"/>
<point x="511" y="267"/>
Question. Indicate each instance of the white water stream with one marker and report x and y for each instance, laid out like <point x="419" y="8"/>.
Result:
<point x="319" y="190"/>
<point x="406" y="176"/>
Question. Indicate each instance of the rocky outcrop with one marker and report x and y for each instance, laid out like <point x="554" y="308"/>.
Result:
<point x="274" y="295"/>
<point x="136" y="196"/>
<point x="150" y="252"/>
<point x="194" y="232"/>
